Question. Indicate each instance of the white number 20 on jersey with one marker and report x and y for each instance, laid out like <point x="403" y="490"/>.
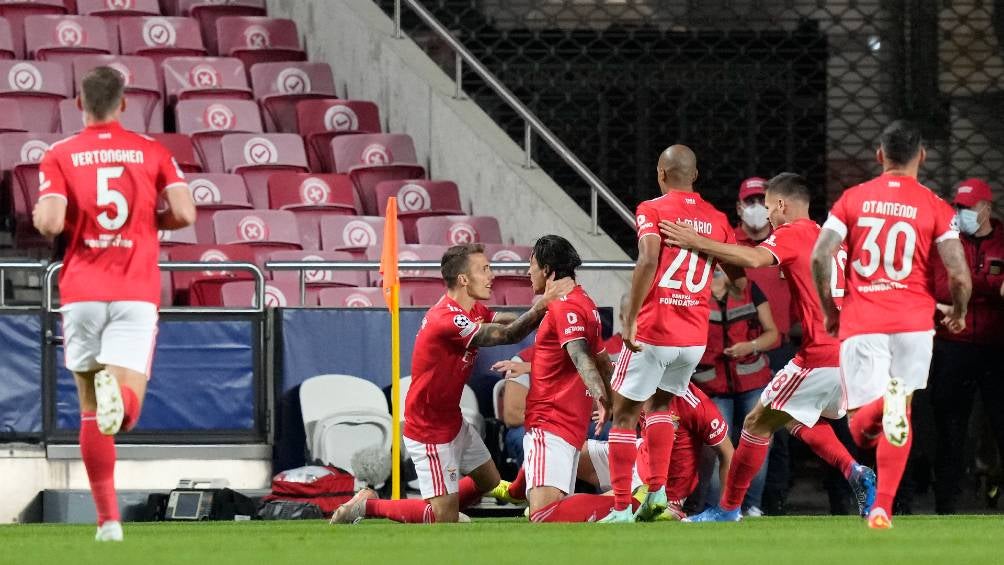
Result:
<point x="108" y="196"/>
<point x="694" y="285"/>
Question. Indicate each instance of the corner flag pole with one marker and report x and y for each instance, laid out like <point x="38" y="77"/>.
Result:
<point x="391" y="288"/>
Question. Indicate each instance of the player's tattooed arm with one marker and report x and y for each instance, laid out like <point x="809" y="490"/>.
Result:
<point x="959" y="282"/>
<point x="585" y="364"/>
<point x="501" y="334"/>
<point x="822" y="267"/>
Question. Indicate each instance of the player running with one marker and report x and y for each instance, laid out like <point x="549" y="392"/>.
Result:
<point x="100" y="189"/>
<point x="810" y="385"/>
<point x="665" y="332"/>
<point x="441" y="444"/>
<point x="891" y="225"/>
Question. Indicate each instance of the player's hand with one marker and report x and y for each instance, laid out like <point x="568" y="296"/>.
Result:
<point x="628" y="333"/>
<point x="954" y="321"/>
<point x="741" y="349"/>
<point x="555" y="289"/>
<point x="679" y="234"/>
<point x="602" y="413"/>
<point x="943" y="309"/>
<point x="511" y="368"/>
<point x="831" y="321"/>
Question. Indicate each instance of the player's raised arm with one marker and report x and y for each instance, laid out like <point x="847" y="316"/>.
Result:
<point x="822" y="267"/>
<point x="585" y="364"/>
<point x="959" y="282"/>
<point x="501" y="334"/>
<point x="684" y="236"/>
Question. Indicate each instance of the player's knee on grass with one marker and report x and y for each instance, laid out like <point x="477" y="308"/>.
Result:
<point x="446" y="508"/>
<point x="539" y="498"/>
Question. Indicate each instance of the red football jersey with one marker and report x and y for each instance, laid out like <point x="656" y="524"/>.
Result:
<point x="558" y="401"/>
<point x="441" y="362"/>
<point x="771" y="282"/>
<point x="791" y="244"/>
<point x="675" y="312"/>
<point x="891" y="225"/>
<point x="111" y="179"/>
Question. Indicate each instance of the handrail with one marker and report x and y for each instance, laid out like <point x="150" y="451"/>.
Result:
<point x="531" y="121"/>
<point x="16" y="266"/>
<point x="259" y="278"/>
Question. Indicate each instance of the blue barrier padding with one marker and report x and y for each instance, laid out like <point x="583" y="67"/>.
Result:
<point x="21" y="373"/>
<point x="202" y="379"/>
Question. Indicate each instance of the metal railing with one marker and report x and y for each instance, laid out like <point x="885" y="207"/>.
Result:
<point x="531" y="122"/>
<point x="17" y="266"/>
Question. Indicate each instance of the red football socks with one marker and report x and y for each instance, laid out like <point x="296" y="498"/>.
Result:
<point x="468" y="493"/>
<point x="517" y="489"/>
<point x="98" y="453"/>
<point x="130" y="405"/>
<point x="578" y="508"/>
<point x="622" y="455"/>
<point x="659" y="434"/>
<point x="866" y="424"/>
<point x="825" y="444"/>
<point x="408" y="511"/>
<point x="890" y="462"/>
<point x="746" y="463"/>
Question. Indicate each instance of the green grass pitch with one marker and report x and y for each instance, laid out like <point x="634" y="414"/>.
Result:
<point x="802" y="540"/>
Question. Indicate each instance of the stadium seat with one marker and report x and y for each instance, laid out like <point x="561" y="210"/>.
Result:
<point x="418" y="199"/>
<point x="213" y="192"/>
<point x="142" y="84"/>
<point x="509" y="278"/>
<point x="311" y="197"/>
<point x="408" y="252"/>
<point x="278" y="294"/>
<point x="72" y="119"/>
<point x="256" y="156"/>
<point x="278" y="87"/>
<point x="258" y="40"/>
<point x="187" y="78"/>
<point x="372" y="158"/>
<point x="343" y="415"/>
<point x="15" y="12"/>
<point x="265" y="230"/>
<point x="6" y="41"/>
<point x="424" y="294"/>
<point x="203" y="287"/>
<point x="20" y="154"/>
<point x="207" y="120"/>
<point x="320" y="121"/>
<point x="10" y="117"/>
<point x="315" y="280"/>
<point x="174" y="238"/>
<point x="355" y="298"/>
<point x="519" y="296"/>
<point x="160" y="38"/>
<point x="38" y="87"/>
<point x="114" y="10"/>
<point x="354" y="233"/>
<point x="456" y="230"/>
<point x="180" y="145"/>
<point x="208" y="11"/>
<point x="60" y="39"/>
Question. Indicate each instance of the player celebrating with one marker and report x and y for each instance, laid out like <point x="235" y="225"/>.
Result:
<point x="809" y="386"/>
<point x="100" y="187"/>
<point x="441" y="444"/>
<point x="665" y="332"/>
<point x="891" y="224"/>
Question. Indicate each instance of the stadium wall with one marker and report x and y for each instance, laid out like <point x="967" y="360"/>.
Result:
<point x="455" y="139"/>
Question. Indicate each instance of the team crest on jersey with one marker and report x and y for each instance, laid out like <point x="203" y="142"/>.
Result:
<point x="771" y="241"/>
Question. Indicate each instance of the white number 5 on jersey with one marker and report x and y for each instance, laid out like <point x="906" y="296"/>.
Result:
<point x="108" y="196"/>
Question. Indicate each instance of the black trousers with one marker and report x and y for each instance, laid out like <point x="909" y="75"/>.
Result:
<point x="958" y="371"/>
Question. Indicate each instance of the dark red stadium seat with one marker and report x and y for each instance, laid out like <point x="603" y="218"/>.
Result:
<point x="142" y="85"/>
<point x="60" y="39"/>
<point x="38" y="87"/>
<point x="456" y="230"/>
<point x="20" y="154"/>
<point x="113" y="10"/>
<point x="278" y="294"/>
<point x="353" y="233"/>
<point x="7" y="50"/>
<point x="208" y="11"/>
<point x="160" y="38"/>
<point x="201" y="287"/>
<point x="413" y="278"/>
<point x="418" y="199"/>
<point x="518" y="296"/>
<point x="187" y="78"/>
<point x="259" y="40"/>
<point x="15" y="12"/>
<point x="207" y="120"/>
<point x="426" y="293"/>
<point x="318" y="279"/>
<point x="256" y="156"/>
<point x="311" y="197"/>
<point x="174" y="238"/>
<point x="373" y="158"/>
<point x="180" y="145"/>
<point x="320" y="121"/>
<point x="265" y="230"/>
<point x="279" y="86"/>
<point x="72" y="119"/>
<point x="213" y="192"/>
<point x="356" y="298"/>
<point x="508" y="278"/>
<point x="11" y="119"/>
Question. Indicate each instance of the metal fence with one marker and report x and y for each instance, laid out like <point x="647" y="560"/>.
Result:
<point x="754" y="86"/>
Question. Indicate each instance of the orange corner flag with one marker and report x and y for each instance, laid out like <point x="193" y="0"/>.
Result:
<point x="388" y="256"/>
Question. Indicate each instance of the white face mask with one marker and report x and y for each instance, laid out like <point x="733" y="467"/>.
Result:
<point x="755" y="216"/>
<point x="968" y="221"/>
